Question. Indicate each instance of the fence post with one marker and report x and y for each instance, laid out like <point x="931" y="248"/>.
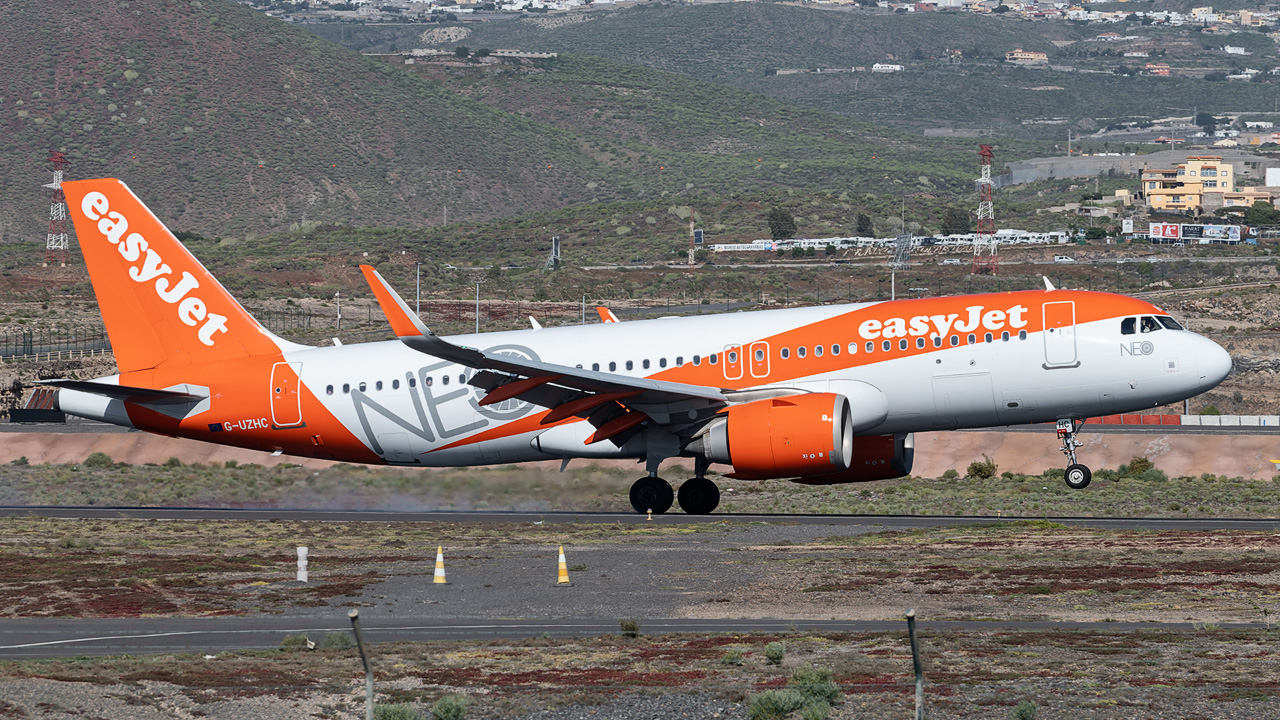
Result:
<point x="915" y="660"/>
<point x="364" y="658"/>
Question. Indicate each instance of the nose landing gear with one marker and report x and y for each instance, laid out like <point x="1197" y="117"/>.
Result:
<point x="1078" y="476"/>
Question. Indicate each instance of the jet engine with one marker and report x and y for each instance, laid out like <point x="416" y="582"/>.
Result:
<point x="795" y="435"/>
<point x="875" y="457"/>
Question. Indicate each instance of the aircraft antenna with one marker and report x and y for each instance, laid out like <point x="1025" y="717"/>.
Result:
<point x="985" y="259"/>
<point x="553" y="261"/>
<point x="57" y="246"/>
<point x="902" y="244"/>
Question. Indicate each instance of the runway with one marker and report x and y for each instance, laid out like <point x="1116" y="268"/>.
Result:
<point x="889" y="522"/>
<point x="29" y="638"/>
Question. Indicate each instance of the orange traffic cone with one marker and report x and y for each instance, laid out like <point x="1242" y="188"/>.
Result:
<point x="563" y="580"/>
<point x="439" y="579"/>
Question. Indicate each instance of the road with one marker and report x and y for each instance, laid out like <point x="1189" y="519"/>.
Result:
<point x="31" y="638"/>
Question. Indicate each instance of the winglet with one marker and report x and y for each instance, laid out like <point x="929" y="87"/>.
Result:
<point x="606" y="315"/>
<point x="1048" y="286"/>
<point x="404" y="322"/>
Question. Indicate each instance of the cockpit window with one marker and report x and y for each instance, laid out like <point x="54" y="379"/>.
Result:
<point x="1149" y="324"/>
<point x="1168" y="322"/>
<point x="1128" y="326"/>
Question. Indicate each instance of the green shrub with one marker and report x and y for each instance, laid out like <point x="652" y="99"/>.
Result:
<point x="337" y="640"/>
<point x="984" y="469"/>
<point x="295" y="642"/>
<point x="173" y="462"/>
<point x="1026" y="710"/>
<point x="774" y="652"/>
<point x="21" y="462"/>
<point x="814" y="683"/>
<point x="449" y="707"/>
<point x="230" y="463"/>
<point x="98" y="460"/>
<point x="816" y="711"/>
<point x="1138" y="465"/>
<point x="1210" y="410"/>
<point x="1154" y="475"/>
<point x="774" y="704"/>
<point x="950" y="474"/>
<point x="732" y="656"/>
<point x="74" y="542"/>
<point x="396" y="711"/>
<point x="630" y="627"/>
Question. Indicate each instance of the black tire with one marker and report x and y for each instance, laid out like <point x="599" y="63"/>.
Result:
<point x="652" y="493"/>
<point x="1078" y="477"/>
<point x="699" y="496"/>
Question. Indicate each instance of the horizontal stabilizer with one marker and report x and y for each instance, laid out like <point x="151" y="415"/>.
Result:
<point x="125" y="392"/>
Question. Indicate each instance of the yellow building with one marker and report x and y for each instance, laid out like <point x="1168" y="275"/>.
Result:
<point x="1195" y="186"/>
<point x="1246" y="197"/>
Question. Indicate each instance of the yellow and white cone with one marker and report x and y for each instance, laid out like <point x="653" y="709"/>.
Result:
<point x="439" y="579"/>
<point x="563" y="580"/>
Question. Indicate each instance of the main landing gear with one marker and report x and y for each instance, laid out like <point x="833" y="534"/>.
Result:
<point x="1078" y="476"/>
<point x="698" y="495"/>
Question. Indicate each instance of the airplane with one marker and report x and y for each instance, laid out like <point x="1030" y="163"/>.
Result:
<point x="817" y="395"/>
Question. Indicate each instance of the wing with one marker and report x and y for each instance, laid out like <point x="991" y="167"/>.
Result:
<point x="610" y="401"/>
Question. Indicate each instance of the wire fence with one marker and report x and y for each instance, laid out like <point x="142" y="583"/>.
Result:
<point x="51" y="343"/>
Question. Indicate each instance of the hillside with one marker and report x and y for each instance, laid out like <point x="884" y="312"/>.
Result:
<point x="230" y="123"/>
<point x="736" y="43"/>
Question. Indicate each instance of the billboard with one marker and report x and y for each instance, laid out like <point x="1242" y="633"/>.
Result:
<point x="697" y="237"/>
<point x="1126" y="226"/>
<point x="1192" y="232"/>
<point x="1229" y="233"/>
<point x="1166" y="231"/>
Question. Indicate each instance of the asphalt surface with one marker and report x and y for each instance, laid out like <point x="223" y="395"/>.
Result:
<point x="876" y="522"/>
<point x="28" y="638"/>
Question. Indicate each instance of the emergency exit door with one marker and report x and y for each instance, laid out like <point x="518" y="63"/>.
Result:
<point x="286" y="400"/>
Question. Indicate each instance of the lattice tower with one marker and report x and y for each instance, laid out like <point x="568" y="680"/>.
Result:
<point x="57" y="248"/>
<point x="985" y="250"/>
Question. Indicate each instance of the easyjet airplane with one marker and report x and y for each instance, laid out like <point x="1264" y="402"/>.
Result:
<point x="819" y="395"/>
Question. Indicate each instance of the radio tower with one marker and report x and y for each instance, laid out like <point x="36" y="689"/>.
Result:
<point x="57" y="247"/>
<point x="984" y="242"/>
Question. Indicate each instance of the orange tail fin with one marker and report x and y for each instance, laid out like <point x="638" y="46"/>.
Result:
<point x="158" y="302"/>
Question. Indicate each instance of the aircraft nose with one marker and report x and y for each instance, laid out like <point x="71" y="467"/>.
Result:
<point x="1214" y="363"/>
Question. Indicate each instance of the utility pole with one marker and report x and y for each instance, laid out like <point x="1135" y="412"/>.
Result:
<point x="418" y="271"/>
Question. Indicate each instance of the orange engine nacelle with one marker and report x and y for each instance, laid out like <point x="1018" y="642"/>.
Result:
<point x="875" y="457"/>
<point x="796" y="435"/>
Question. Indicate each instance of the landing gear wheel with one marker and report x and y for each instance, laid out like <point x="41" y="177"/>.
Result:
<point x="699" y="496"/>
<point x="652" y="493"/>
<point x="1078" y="477"/>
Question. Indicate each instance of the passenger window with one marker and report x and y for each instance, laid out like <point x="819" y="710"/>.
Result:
<point x="759" y="355"/>
<point x="630" y="365"/>
<point x="377" y="385"/>
<point x="732" y="356"/>
<point x="612" y="366"/>
<point x="1128" y="326"/>
<point x="395" y="384"/>
<point x="595" y="367"/>
<point x="871" y="347"/>
<point x="972" y="338"/>
<point x="920" y="343"/>
<point x="413" y="382"/>
<point x="679" y="361"/>
<point x="328" y="390"/>
<point x="461" y="378"/>
<point x="937" y="341"/>
<point x="662" y="362"/>
<point x="988" y="337"/>
<point x="902" y="344"/>
<point x="1005" y="336"/>
<point x="346" y="387"/>
<point x="801" y="351"/>
<point x="955" y="340"/>
<point x="785" y="353"/>
<point x="835" y="349"/>
<point x="429" y="381"/>
<point x="887" y="345"/>
<point x="361" y="387"/>
<point x="713" y="358"/>
<point x="697" y="360"/>
<point x="645" y="363"/>
<point x="1022" y="334"/>
<point x="817" y="351"/>
<point x="1149" y="324"/>
<point x="1169" y="322"/>
<point x="444" y="379"/>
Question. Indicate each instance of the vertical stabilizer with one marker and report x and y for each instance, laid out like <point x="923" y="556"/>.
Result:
<point x="158" y="302"/>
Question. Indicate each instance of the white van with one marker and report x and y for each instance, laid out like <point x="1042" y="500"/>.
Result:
<point x="1063" y="259"/>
